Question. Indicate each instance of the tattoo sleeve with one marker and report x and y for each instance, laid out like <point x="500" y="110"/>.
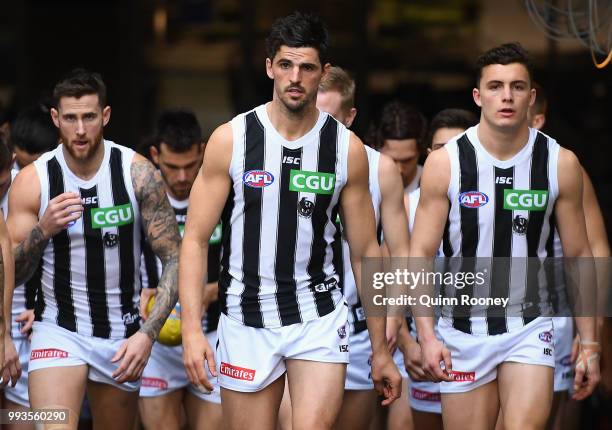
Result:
<point x="28" y="254"/>
<point x="162" y="232"/>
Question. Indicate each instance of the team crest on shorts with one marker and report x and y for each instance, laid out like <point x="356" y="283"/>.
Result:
<point x="546" y="336"/>
<point x="519" y="225"/>
<point x="305" y="208"/>
<point x="342" y="332"/>
<point x="111" y="240"/>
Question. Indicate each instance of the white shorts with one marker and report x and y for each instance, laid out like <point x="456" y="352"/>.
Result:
<point x="475" y="358"/>
<point x="19" y="393"/>
<point x="425" y="396"/>
<point x="54" y="346"/>
<point x="165" y="372"/>
<point x="249" y="359"/>
<point x="563" y="338"/>
<point x="358" y="371"/>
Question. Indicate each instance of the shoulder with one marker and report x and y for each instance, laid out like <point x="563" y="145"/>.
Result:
<point x="25" y="188"/>
<point x="146" y="178"/>
<point x="26" y="177"/>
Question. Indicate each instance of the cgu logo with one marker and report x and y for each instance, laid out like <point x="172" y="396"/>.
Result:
<point x="216" y="236"/>
<point x="257" y="178"/>
<point x="114" y="216"/>
<point x="90" y="200"/>
<point x="312" y="182"/>
<point x="528" y="200"/>
<point x="473" y="199"/>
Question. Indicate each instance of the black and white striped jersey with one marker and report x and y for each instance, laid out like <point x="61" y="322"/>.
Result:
<point x="90" y="271"/>
<point x="22" y="298"/>
<point x="151" y="265"/>
<point x="279" y="222"/>
<point x="501" y="209"/>
<point x="357" y="316"/>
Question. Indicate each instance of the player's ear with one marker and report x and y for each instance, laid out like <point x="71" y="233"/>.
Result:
<point x="269" y="71"/>
<point x="154" y="154"/>
<point x="106" y="113"/>
<point x="351" y="117"/>
<point x="55" y="117"/>
<point x="476" y="96"/>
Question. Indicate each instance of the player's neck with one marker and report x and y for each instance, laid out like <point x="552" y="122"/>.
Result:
<point x="85" y="169"/>
<point x="502" y="143"/>
<point x="291" y="125"/>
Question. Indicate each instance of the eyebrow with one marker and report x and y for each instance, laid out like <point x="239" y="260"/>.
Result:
<point x="497" y="81"/>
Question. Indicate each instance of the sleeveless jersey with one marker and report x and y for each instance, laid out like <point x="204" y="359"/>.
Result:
<point x="89" y="273"/>
<point x="279" y="222"/>
<point x="501" y="209"/>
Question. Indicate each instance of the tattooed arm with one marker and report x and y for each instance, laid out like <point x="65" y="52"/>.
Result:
<point x="162" y="232"/>
<point x="160" y="225"/>
<point x="29" y="235"/>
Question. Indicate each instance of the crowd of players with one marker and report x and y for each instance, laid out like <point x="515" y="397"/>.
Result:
<point x="285" y="201"/>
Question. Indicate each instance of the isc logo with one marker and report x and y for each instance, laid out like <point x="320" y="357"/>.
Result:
<point x="114" y="216"/>
<point x="473" y="199"/>
<point x="257" y="178"/>
<point x="291" y="160"/>
<point x="503" y="180"/>
<point x="90" y="200"/>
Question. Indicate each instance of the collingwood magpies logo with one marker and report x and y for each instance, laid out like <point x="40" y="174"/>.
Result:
<point x="305" y="208"/>
<point x="111" y="240"/>
<point x="519" y="225"/>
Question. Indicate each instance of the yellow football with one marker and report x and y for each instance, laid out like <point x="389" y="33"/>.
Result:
<point x="170" y="334"/>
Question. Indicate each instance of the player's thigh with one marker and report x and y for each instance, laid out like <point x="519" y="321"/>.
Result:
<point x="426" y="420"/>
<point x="357" y="410"/>
<point x="252" y="410"/>
<point x="162" y="412"/>
<point x="400" y="415"/>
<point x="60" y="387"/>
<point x="471" y="410"/>
<point x="201" y="414"/>
<point x="284" y="412"/>
<point x="316" y="391"/>
<point x="526" y="393"/>
<point x="16" y="407"/>
<point x="111" y="407"/>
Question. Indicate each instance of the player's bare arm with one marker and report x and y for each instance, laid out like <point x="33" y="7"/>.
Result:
<point x="11" y="367"/>
<point x="394" y="225"/>
<point x="208" y="196"/>
<point x="162" y="232"/>
<point x="159" y="224"/>
<point x="358" y="220"/>
<point x="30" y="235"/>
<point x="3" y="324"/>
<point x="596" y="229"/>
<point x="572" y="230"/>
<point x="429" y="222"/>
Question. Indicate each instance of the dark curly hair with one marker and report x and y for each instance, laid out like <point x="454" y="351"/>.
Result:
<point x="507" y="53"/>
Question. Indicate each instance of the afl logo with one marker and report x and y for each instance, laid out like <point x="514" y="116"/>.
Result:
<point x="257" y="178"/>
<point x="473" y="199"/>
<point x="546" y="336"/>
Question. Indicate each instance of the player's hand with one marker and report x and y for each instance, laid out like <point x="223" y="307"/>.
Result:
<point x="197" y="350"/>
<point x="11" y="371"/>
<point x="412" y="360"/>
<point x="386" y="377"/>
<point x="394" y="324"/>
<point x="134" y="354"/>
<point x="25" y="320"/>
<point x="145" y="296"/>
<point x="60" y="212"/>
<point x="433" y="352"/>
<point x="587" y="374"/>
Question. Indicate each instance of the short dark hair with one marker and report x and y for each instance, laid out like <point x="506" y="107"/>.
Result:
<point x="451" y="118"/>
<point x="6" y="156"/>
<point x="33" y="130"/>
<point x="507" y="53"/>
<point x="337" y="79"/>
<point x="540" y="105"/>
<point x="299" y="30"/>
<point x="179" y="129"/>
<point x="399" y="121"/>
<point x="78" y="83"/>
